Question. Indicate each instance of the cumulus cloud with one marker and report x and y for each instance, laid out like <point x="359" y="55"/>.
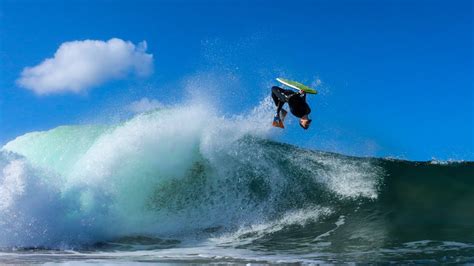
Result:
<point x="144" y="105"/>
<point x="81" y="65"/>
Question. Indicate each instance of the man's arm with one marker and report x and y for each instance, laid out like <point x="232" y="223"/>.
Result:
<point x="304" y="95"/>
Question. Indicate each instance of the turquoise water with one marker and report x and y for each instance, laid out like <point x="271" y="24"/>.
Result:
<point x="154" y="190"/>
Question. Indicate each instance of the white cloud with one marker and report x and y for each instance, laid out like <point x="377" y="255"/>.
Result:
<point x="80" y="65"/>
<point x="144" y="105"/>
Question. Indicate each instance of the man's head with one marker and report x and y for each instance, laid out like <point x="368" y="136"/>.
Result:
<point x="305" y="122"/>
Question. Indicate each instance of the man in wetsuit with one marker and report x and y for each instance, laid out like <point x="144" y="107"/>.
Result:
<point x="297" y="103"/>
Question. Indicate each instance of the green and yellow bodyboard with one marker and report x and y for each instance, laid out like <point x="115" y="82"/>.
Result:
<point x="296" y="85"/>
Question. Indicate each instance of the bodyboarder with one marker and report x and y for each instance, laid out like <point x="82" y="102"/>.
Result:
<point x="297" y="103"/>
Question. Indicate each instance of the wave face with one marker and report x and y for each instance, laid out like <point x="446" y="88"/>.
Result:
<point x="179" y="176"/>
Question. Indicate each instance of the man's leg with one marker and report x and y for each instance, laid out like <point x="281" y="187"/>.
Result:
<point x="278" y="98"/>
<point x="277" y="94"/>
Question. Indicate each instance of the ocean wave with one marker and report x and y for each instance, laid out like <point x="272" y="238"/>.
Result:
<point x="168" y="177"/>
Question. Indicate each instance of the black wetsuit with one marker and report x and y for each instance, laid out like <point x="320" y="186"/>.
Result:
<point x="296" y="101"/>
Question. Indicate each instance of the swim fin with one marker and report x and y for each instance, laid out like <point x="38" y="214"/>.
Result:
<point x="277" y="122"/>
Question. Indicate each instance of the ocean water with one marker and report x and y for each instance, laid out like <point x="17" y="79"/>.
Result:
<point x="214" y="190"/>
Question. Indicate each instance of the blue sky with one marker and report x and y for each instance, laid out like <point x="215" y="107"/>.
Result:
<point x="396" y="76"/>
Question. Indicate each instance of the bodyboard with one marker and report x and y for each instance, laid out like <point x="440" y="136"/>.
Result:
<point x="297" y="85"/>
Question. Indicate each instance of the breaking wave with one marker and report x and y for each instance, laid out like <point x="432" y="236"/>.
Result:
<point x="184" y="173"/>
